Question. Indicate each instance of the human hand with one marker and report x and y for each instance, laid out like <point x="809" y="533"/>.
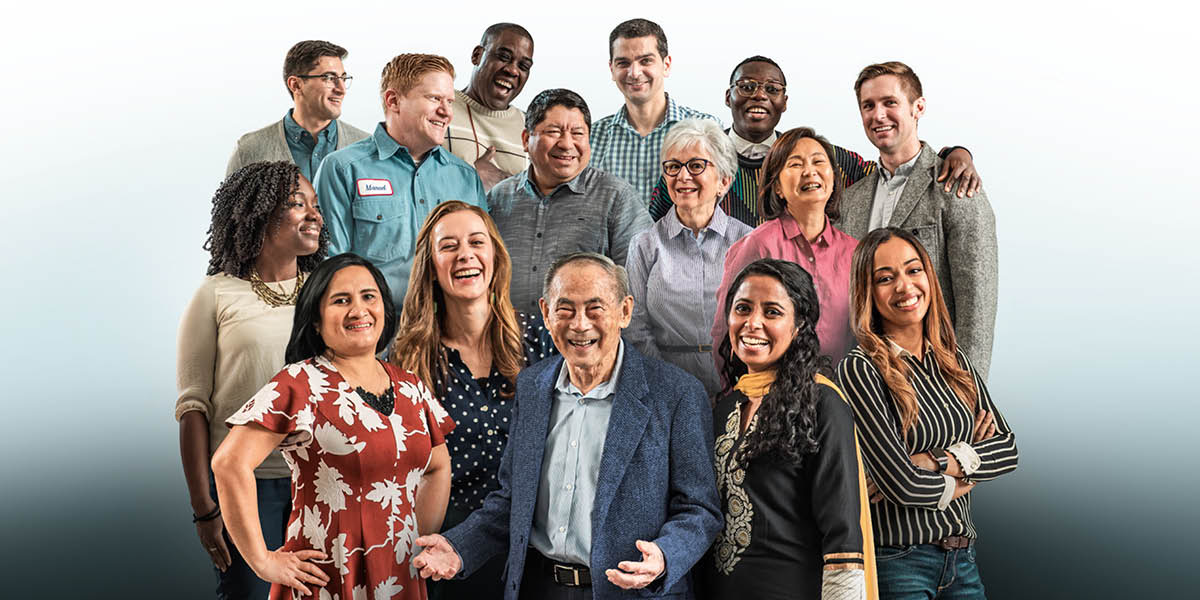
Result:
<point x="488" y="172"/>
<point x="438" y="559"/>
<point x="959" y="168"/>
<point x="925" y="461"/>
<point x="962" y="487"/>
<point x="212" y="538"/>
<point x="631" y="575"/>
<point x="292" y="569"/>
<point x="873" y="493"/>
<point x="985" y="426"/>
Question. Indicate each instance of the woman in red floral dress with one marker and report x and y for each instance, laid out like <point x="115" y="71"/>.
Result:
<point x="364" y="441"/>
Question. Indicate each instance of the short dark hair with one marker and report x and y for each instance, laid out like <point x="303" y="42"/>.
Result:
<point x="304" y="56"/>
<point x="306" y="342"/>
<point x="773" y="205"/>
<point x="548" y="99"/>
<point x="636" y="28"/>
<point x="496" y="29"/>
<point x="758" y="58"/>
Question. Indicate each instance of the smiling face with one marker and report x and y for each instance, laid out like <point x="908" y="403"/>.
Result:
<point x="899" y="286"/>
<point x="558" y="147"/>
<point x="762" y="322"/>
<point x="584" y="316"/>
<point x="313" y="98"/>
<point x="690" y="192"/>
<point x="889" y="117"/>
<point x="501" y="69"/>
<point x="352" y="313"/>
<point x="463" y="256"/>
<point x="807" y="175"/>
<point x="755" y="117"/>
<point x="421" y="115"/>
<point x="637" y="68"/>
<point x="296" y="230"/>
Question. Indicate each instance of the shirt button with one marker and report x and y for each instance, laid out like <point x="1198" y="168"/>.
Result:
<point x="483" y="408"/>
<point x="562" y="529"/>
<point x="422" y="201"/>
<point x="574" y="443"/>
<point x="539" y="234"/>
<point x="581" y="401"/>
<point x="378" y="217"/>
<point x="812" y="259"/>
<point x="535" y="269"/>
<point x="569" y="486"/>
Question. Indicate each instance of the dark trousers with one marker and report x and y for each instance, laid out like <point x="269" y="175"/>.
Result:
<point x="537" y="584"/>
<point x="485" y="583"/>
<point x="926" y="571"/>
<point x="239" y="582"/>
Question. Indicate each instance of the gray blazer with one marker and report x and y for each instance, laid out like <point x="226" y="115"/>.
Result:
<point x="269" y="143"/>
<point x="960" y="236"/>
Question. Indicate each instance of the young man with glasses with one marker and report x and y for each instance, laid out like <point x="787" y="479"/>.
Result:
<point x="757" y="98"/>
<point x="317" y="81"/>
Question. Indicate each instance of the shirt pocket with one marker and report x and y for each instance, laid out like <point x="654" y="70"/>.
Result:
<point x="381" y="230"/>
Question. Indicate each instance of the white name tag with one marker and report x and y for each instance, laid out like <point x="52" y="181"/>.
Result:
<point x="374" y="187"/>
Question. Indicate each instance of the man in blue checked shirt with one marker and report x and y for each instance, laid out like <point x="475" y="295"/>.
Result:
<point x="628" y="143"/>
<point x="376" y="193"/>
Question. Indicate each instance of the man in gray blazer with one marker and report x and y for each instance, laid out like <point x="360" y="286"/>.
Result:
<point x="317" y="82"/>
<point x="958" y="233"/>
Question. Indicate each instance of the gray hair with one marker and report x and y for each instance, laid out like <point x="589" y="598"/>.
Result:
<point x="708" y="135"/>
<point x="616" y="272"/>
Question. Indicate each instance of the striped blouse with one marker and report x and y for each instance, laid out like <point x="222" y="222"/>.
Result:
<point x="916" y="508"/>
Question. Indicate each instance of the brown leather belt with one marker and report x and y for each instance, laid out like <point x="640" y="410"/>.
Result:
<point x="953" y="542"/>
<point x="563" y="573"/>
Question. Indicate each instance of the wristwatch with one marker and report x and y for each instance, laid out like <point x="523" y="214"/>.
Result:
<point x="943" y="459"/>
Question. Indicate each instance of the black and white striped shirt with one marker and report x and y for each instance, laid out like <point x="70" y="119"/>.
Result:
<point x="914" y="509"/>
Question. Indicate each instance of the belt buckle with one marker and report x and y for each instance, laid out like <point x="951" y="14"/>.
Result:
<point x="573" y="581"/>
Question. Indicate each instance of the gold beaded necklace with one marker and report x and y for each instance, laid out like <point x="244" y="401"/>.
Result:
<point x="272" y="297"/>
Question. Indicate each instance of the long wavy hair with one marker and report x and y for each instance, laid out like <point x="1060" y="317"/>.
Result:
<point x="773" y="205"/>
<point x="418" y="346"/>
<point x="306" y="341"/>
<point x="867" y="325"/>
<point x="787" y="418"/>
<point x="245" y="207"/>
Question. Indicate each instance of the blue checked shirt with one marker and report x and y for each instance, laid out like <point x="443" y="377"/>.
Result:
<point x="619" y="149"/>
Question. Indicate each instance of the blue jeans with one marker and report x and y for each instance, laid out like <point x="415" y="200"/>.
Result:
<point x="239" y="582"/>
<point x="925" y="571"/>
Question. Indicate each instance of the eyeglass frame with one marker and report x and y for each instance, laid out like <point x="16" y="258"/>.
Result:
<point x="331" y="79"/>
<point x="736" y="87"/>
<point x="680" y="166"/>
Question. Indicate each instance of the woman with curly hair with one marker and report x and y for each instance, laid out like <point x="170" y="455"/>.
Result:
<point x="460" y="333"/>
<point x="930" y="431"/>
<point x="266" y="234"/>
<point x="787" y="465"/>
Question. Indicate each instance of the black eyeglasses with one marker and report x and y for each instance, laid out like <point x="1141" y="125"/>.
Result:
<point x="747" y="87"/>
<point x="695" y="166"/>
<point x="330" y="79"/>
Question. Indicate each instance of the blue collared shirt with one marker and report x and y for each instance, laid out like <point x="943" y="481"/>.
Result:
<point x="619" y="149"/>
<point x="308" y="152"/>
<point x="375" y="198"/>
<point x="673" y="277"/>
<point x="562" y="518"/>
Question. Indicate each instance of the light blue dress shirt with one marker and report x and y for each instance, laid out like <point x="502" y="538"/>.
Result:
<point x="562" y="518"/>
<point x="308" y="152"/>
<point x="375" y="199"/>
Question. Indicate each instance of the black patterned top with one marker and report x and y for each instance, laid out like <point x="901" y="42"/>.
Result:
<point x="483" y="416"/>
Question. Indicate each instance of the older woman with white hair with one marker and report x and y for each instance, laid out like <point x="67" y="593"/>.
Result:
<point x="676" y="265"/>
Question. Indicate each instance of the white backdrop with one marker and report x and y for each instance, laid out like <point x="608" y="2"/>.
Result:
<point x="118" y="119"/>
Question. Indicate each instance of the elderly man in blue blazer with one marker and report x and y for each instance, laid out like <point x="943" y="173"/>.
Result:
<point x="607" y="483"/>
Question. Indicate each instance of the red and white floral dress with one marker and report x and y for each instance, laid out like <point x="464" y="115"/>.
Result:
<point x="355" y="473"/>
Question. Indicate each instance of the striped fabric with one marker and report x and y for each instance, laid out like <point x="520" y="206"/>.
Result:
<point x="619" y="149"/>
<point x="741" y="201"/>
<point x="908" y="513"/>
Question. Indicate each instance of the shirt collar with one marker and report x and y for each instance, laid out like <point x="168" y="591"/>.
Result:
<point x="718" y="224"/>
<point x="674" y="114"/>
<point x="575" y="185"/>
<point x="901" y="352"/>
<point x="791" y="229"/>
<point x="388" y="147"/>
<point x="600" y="392"/>
<point x="296" y="133"/>
<point x="903" y="170"/>
<point x="752" y="150"/>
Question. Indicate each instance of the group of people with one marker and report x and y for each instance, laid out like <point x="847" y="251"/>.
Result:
<point x="483" y="352"/>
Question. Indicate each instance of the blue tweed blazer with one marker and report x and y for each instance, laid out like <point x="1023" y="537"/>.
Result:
<point x="656" y="479"/>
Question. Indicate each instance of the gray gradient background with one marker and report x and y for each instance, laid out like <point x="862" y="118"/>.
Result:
<point x="118" y="122"/>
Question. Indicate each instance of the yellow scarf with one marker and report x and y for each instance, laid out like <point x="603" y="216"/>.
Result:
<point x="755" y="385"/>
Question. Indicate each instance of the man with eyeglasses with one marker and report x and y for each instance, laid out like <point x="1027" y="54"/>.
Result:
<point x="560" y="204"/>
<point x="628" y="144"/>
<point x="757" y="98"/>
<point x="317" y="82"/>
<point x="486" y="128"/>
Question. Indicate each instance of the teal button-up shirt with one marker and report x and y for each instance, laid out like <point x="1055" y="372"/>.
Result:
<point x="308" y="152"/>
<point x="375" y="198"/>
